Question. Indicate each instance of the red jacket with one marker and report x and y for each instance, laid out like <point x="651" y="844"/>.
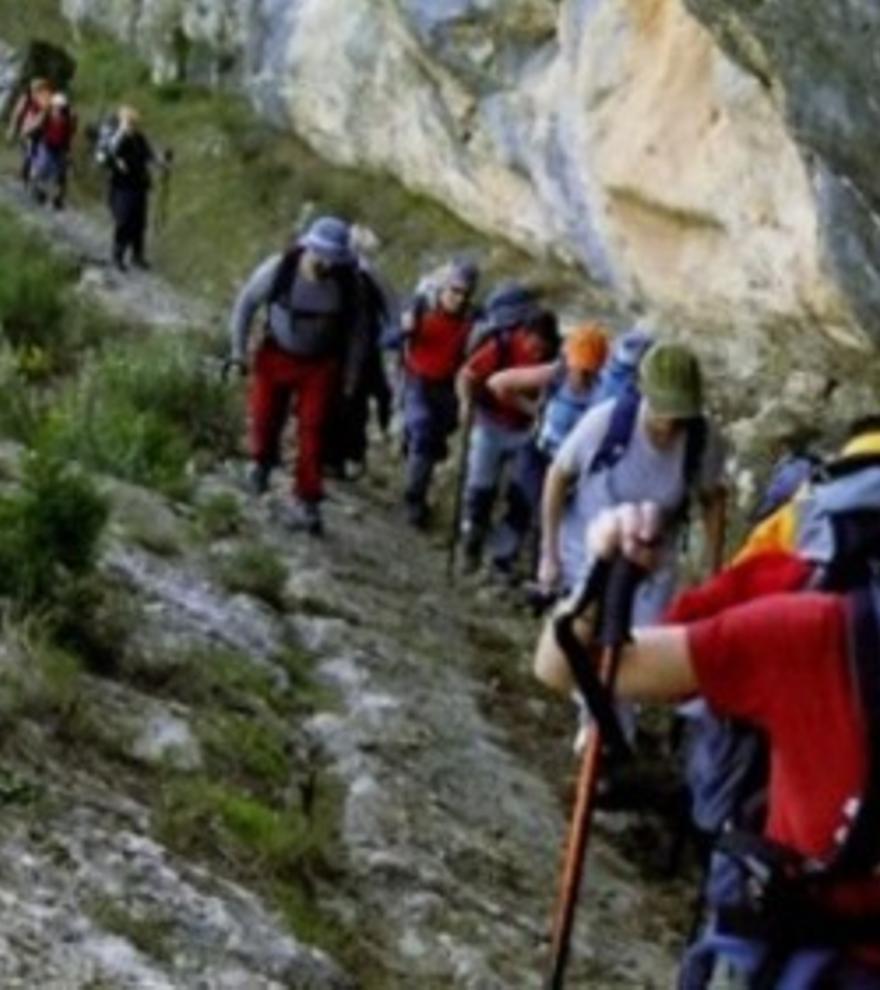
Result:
<point x="58" y="131"/>
<point x="436" y="348"/>
<point x="516" y="348"/>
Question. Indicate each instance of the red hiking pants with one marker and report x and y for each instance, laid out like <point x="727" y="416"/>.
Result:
<point x="277" y="377"/>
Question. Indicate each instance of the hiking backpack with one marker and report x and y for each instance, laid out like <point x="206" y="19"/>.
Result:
<point x="727" y="763"/>
<point x="786" y="476"/>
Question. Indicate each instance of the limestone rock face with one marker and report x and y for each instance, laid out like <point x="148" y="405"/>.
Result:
<point x="724" y="185"/>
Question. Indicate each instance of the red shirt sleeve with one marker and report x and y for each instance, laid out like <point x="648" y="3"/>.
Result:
<point x="764" y="574"/>
<point x="755" y="658"/>
<point x="483" y="363"/>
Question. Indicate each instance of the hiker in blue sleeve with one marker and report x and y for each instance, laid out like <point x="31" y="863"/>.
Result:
<point x="560" y="392"/>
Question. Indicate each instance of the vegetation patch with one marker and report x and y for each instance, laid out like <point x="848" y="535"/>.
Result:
<point x="254" y="569"/>
<point x="143" y="411"/>
<point x="150" y="935"/>
<point x="220" y="515"/>
<point x="49" y="533"/>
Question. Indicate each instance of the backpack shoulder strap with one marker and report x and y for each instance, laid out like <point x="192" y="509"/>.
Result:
<point x="860" y="852"/>
<point x="619" y="433"/>
<point x="285" y="275"/>
<point x="694" y="449"/>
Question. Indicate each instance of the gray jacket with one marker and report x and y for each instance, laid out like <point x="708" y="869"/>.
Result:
<point x="309" y="319"/>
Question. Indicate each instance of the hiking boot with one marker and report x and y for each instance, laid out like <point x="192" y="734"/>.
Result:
<point x="139" y="261"/>
<point x="257" y="478"/>
<point x="302" y="517"/>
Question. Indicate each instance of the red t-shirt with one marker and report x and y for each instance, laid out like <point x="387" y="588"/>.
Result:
<point x="764" y="574"/>
<point x="519" y="348"/>
<point x="782" y="663"/>
<point x="435" y="349"/>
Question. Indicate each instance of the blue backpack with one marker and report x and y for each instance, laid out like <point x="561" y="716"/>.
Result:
<point x="787" y="475"/>
<point x="727" y="766"/>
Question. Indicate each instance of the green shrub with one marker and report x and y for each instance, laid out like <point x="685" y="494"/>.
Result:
<point x="49" y="532"/>
<point x="31" y="293"/>
<point x="201" y="816"/>
<point x="143" y="410"/>
<point x="255" y="569"/>
<point x="46" y="325"/>
<point x="220" y="515"/>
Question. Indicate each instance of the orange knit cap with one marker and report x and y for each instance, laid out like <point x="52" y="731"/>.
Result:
<point x="586" y="347"/>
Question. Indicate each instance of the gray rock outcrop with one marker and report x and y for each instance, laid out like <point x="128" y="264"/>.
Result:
<point x="726" y="185"/>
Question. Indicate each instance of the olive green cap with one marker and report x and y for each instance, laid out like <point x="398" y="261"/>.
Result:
<point x="671" y="381"/>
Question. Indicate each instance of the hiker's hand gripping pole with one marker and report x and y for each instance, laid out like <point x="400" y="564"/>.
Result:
<point x="613" y="587"/>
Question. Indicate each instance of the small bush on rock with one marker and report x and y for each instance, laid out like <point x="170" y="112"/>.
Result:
<point x="49" y="532"/>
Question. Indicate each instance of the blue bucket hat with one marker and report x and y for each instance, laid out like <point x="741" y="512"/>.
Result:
<point x="511" y="304"/>
<point x="330" y="239"/>
<point x="463" y="274"/>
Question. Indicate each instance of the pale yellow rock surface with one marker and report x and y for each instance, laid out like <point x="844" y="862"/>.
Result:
<point x="614" y="133"/>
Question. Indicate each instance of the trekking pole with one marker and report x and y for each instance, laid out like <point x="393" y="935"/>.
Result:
<point x="614" y="589"/>
<point x="461" y="480"/>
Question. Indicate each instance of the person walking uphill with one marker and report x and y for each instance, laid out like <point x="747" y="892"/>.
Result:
<point x="52" y="156"/>
<point x="315" y="345"/>
<point x="130" y="158"/>
<point x="26" y="123"/>
<point x="658" y="447"/>
<point x="436" y="328"/>
<point x="517" y="334"/>
<point x="560" y="392"/>
<point x="803" y="669"/>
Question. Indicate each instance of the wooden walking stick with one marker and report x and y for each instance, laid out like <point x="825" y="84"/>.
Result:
<point x="460" y="483"/>
<point x="613" y="590"/>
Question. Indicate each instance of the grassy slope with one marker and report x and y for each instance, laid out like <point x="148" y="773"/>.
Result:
<point x="239" y="186"/>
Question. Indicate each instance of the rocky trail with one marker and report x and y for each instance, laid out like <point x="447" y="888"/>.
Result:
<point x="449" y="768"/>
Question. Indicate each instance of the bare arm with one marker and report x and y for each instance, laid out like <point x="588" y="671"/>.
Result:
<point x="656" y="666"/>
<point x="522" y="387"/>
<point x="466" y="386"/>
<point x="715" y="522"/>
<point x="553" y="499"/>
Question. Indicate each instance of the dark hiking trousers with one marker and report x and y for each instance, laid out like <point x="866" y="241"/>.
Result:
<point x="430" y="415"/>
<point x="523" y="498"/>
<point x="129" y="209"/>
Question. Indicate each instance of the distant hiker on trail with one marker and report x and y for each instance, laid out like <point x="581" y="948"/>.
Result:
<point x="51" y="160"/>
<point x="660" y="447"/>
<point x="559" y="393"/>
<point x="517" y="333"/>
<point x="130" y="158"/>
<point x="435" y="329"/>
<point x="803" y="668"/>
<point x="315" y="346"/>
<point x="345" y="448"/>
<point x="26" y="122"/>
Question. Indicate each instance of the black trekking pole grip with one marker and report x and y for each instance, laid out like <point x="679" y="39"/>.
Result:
<point x="624" y="577"/>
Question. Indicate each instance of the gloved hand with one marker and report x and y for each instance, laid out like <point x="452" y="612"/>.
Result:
<point x="231" y="364"/>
